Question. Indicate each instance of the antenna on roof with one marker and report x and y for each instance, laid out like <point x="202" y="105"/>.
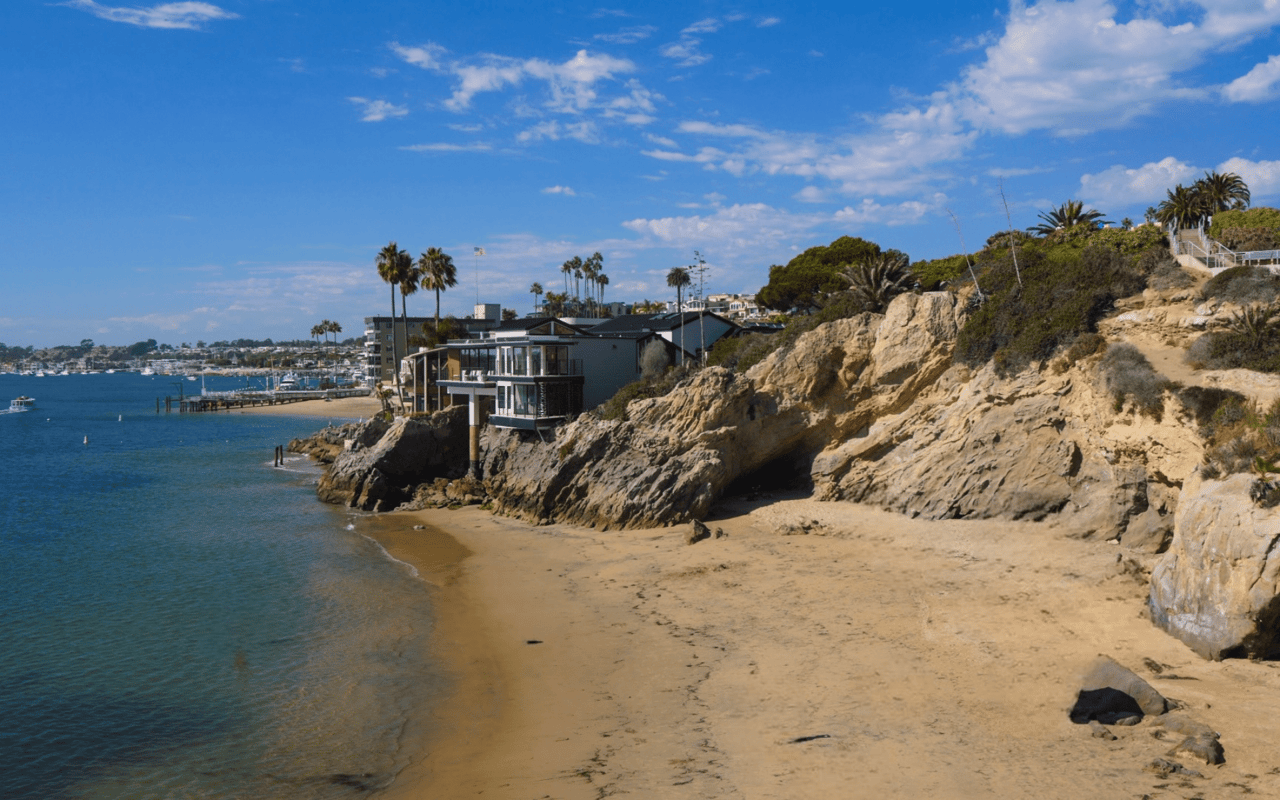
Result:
<point x="702" y="333"/>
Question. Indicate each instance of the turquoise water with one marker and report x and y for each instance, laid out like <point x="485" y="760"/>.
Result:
<point x="180" y="619"/>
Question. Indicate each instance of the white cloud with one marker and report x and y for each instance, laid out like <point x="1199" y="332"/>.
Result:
<point x="708" y="25"/>
<point x="661" y="141"/>
<point x="1256" y="85"/>
<point x="896" y="157"/>
<point x="1262" y="177"/>
<point x="1120" y="186"/>
<point x="768" y="22"/>
<point x="685" y="52"/>
<point x="565" y="190"/>
<point x="448" y="147"/>
<point x="426" y="56"/>
<point x="378" y="110"/>
<point x="1072" y="67"/>
<point x="629" y="35"/>
<point x="583" y="131"/>
<point x="731" y="232"/>
<point x="572" y="86"/>
<point x="869" y="212"/>
<point x="183" y="15"/>
<point x="811" y="194"/>
<point x="164" y="322"/>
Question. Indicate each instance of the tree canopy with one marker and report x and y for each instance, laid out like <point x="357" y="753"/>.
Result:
<point x="814" y="273"/>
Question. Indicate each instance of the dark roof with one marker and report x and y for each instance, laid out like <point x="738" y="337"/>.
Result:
<point x="652" y="322"/>
<point x="529" y="323"/>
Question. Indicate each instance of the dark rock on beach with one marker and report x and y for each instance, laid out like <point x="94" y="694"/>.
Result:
<point x="1114" y="695"/>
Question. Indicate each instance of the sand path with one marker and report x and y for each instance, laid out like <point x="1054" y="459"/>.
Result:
<point x="873" y="656"/>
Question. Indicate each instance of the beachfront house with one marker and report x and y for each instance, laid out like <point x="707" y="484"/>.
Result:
<point x="532" y="373"/>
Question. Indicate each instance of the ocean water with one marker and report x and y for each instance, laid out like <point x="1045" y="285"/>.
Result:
<point x="181" y="619"/>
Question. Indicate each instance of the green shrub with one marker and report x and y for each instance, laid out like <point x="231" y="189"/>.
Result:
<point x="1064" y="294"/>
<point x="616" y="407"/>
<point x="1241" y="285"/>
<point x="1128" y="374"/>
<point x="931" y="274"/>
<point x="1163" y="272"/>
<point x="1229" y="350"/>
<point x="741" y="353"/>
<point x="1258" y="217"/>
<point x="1246" y="239"/>
<point x="1204" y="402"/>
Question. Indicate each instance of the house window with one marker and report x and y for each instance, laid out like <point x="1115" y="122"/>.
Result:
<point x="535" y="360"/>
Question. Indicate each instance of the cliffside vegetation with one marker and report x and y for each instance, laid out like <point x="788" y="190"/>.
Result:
<point x="1065" y="290"/>
<point x="809" y="277"/>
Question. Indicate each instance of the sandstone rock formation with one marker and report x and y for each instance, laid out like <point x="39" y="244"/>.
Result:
<point x="328" y="443"/>
<point x="385" y="461"/>
<point x="676" y="454"/>
<point x="871" y="409"/>
<point x="1216" y="587"/>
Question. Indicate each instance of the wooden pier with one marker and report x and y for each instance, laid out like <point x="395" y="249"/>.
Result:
<point x="227" y="401"/>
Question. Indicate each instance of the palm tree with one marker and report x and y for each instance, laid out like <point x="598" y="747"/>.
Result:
<point x="593" y="267"/>
<point x="567" y="270"/>
<point x="1222" y="192"/>
<point x="878" y="280"/>
<point x="602" y="281"/>
<point x="409" y="283"/>
<point x="679" y="278"/>
<point x="589" y="272"/>
<point x="335" y="329"/>
<point x="1068" y="215"/>
<point x="536" y="291"/>
<point x="391" y="263"/>
<point x="555" y="303"/>
<point x="1183" y="207"/>
<point x="316" y="330"/>
<point x="438" y="274"/>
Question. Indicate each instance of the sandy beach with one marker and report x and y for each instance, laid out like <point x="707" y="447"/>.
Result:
<point x="345" y="409"/>
<point x="817" y="650"/>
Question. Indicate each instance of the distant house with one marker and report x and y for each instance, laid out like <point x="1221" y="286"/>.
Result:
<point x="692" y="332"/>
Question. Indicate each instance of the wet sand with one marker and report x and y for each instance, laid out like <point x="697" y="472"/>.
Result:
<point x="872" y="655"/>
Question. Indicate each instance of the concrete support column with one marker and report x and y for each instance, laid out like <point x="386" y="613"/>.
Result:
<point x="473" y="420"/>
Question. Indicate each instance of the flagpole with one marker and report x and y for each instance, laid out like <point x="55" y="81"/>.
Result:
<point x="477" y="252"/>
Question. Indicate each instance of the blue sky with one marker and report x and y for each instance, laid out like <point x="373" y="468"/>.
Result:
<point x="202" y="170"/>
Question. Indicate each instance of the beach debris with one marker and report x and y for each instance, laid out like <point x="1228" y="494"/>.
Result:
<point x="802" y="528"/>
<point x="801" y="739"/>
<point x="697" y="533"/>
<point x="1199" y="740"/>
<point x="1099" y="731"/>
<point x="1114" y="695"/>
<point x="533" y="641"/>
<point x="1163" y="768"/>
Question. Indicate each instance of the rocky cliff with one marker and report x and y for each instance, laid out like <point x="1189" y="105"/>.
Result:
<point x="675" y="455"/>
<point x="1216" y="587"/>
<point x="870" y="409"/>
<point x="381" y="463"/>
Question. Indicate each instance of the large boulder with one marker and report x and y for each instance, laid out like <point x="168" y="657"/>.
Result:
<point x="383" y="463"/>
<point x="1216" y="586"/>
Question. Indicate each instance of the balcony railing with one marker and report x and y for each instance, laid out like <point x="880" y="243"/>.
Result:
<point x="556" y="369"/>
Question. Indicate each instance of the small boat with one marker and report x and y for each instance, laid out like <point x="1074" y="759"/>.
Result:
<point x="22" y="403"/>
<point x="148" y="371"/>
